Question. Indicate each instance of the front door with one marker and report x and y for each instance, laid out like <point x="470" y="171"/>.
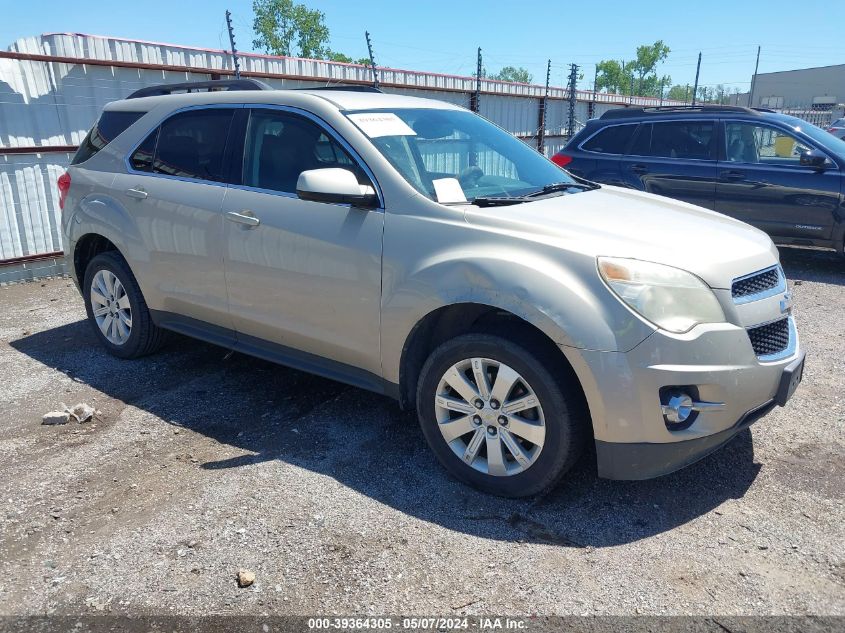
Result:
<point x="676" y="159"/>
<point x="302" y="276"/>
<point x="762" y="182"/>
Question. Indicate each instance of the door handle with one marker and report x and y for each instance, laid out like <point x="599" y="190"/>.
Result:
<point x="247" y="218"/>
<point x="731" y="174"/>
<point x="137" y="192"/>
<point x="639" y="168"/>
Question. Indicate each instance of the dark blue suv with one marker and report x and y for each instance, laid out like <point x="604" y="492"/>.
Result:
<point x="778" y="173"/>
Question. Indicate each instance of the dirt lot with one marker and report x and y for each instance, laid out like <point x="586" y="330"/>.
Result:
<point x="204" y="462"/>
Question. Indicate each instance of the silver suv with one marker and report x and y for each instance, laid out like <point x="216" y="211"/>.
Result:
<point x="410" y="247"/>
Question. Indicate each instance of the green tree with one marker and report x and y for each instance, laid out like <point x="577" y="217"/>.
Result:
<point x="510" y="73"/>
<point x="638" y="76"/>
<point x="611" y="77"/>
<point x="679" y="93"/>
<point x="334" y="56"/>
<point x="645" y="65"/>
<point x="283" y="27"/>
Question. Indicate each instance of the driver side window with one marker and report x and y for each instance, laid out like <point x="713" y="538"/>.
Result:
<point x="280" y="146"/>
<point x="762" y="145"/>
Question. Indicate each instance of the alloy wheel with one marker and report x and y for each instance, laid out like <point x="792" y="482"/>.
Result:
<point x="490" y="416"/>
<point x="110" y="306"/>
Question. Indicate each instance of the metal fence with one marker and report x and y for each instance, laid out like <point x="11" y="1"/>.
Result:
<point x="820" y="118"/>
<point x="53" y="87"/>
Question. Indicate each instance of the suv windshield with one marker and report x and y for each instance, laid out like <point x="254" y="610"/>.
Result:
<point x="825" y="139"/>
<point x="454" y="156"/>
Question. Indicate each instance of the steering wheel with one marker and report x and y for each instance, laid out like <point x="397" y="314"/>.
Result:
<point x="470" y="176"/>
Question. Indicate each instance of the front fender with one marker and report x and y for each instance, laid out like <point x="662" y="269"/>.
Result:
<point x="559" y="293"/>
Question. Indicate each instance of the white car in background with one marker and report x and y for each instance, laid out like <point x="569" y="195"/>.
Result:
<point x="837" y="128"/>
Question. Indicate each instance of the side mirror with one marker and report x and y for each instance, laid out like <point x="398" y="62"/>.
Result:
<point x="813" y="158"/>
<point x="337" y="186"/>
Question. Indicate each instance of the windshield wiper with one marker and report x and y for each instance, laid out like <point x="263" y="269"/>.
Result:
<point x="503" y="201"/>
<point x="498" y="201"/>
<point x="561" y="186"/>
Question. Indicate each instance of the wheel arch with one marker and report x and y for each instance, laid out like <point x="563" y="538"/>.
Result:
<point x="86" y="248"/>
<point x="449" y="321"/>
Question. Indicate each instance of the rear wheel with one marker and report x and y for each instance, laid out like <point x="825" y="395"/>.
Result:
<point x="117" y="310"/>
<point x="496" y="417"/>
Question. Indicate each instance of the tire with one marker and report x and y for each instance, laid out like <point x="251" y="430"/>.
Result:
<point x="142" y="336"/>
<point x="559" y="414"/>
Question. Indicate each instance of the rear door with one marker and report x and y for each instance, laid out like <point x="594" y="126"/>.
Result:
<point x="173" y="188"/>
<point x="674" y="158"/>
<point x="597" y="158"/>
<point x="762" y="182"/>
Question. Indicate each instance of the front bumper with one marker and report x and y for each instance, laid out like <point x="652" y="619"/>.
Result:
<point x="641" y="460"/>
<point x="622" y="391"/>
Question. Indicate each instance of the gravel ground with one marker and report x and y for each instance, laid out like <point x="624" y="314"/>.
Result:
<point x="203" y="462"/>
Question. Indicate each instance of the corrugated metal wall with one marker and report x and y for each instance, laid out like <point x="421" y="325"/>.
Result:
<point x="53" y="87"/>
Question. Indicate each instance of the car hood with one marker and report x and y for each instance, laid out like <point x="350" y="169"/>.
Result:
<point x="618" y="222"/>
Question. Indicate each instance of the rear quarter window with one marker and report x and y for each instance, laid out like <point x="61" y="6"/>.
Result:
<point x="610" y="140"/>
<point x="110" y="125"/>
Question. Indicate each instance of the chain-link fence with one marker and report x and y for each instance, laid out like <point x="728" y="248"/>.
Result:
<point x="820" y="118"/>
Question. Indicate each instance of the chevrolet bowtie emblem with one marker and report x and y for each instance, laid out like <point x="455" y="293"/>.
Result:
<point x="786" y="303"/>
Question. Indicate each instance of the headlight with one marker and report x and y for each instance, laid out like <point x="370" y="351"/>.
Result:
<point x="671" y="298"/>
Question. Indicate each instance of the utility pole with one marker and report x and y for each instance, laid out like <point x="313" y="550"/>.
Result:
<point x="573" y="84"/>
<point x="595" y="93"/>
<point x="372" y="60"/>
<point x="621" y="81"/>
<point x="661" y="92"/>
<point x="235" y="60"/>
<point x="686" y="94"/>
<point x="754" y="81"/>
<point x="697" y="70"/>
<point x="631" y="88"/>
<point x="541" y="135"/>
<point x="475" y="99"/>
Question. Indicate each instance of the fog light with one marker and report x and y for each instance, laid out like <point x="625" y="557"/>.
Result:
<point x="678" y="407"/>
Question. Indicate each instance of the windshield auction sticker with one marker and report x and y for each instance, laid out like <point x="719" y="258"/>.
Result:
<point x="448" y="190"/>
<point x="375" y="124"/>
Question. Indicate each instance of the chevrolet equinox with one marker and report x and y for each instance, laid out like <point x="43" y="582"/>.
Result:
<point x="411" y="247"/>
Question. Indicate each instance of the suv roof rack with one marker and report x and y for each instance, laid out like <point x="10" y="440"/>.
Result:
<point x="349" y="88"/>
<point x="621" y="113"/>
<point x="200" y="86"/>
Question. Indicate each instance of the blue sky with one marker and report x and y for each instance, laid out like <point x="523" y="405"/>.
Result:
<point x="442" y="36"/>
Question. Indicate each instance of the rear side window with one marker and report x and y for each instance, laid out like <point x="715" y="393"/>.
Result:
<point x="675" y="139"/>
<point x="611" y="140"/>
<point x="105" y="130"/>
<point x="189" y="144"/>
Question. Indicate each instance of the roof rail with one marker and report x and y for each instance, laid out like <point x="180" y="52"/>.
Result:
<point x="200" y="86"/>
<point x="347" y="88"/>
<point x="621" y="113"/>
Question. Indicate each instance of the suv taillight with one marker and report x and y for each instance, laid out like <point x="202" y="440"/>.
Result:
<point x="561" y="159"/>
<point x="64" y="187"/>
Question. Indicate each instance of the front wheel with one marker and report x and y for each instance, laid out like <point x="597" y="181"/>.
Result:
<point x="496" y="417"/>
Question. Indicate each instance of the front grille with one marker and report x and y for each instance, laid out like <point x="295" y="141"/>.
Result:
<point x="771" y="338"/>
<point x="755" y="284"/>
